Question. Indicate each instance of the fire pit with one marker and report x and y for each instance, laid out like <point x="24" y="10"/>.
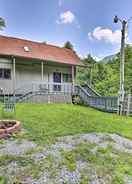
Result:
<point x="7" y="127"/>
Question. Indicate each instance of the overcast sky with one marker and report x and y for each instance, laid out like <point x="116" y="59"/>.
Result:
<point x="86" y="23"/>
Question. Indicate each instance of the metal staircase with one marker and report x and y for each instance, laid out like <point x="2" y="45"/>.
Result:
<point x="28" y="95"/>
<point x="28" y="91"/>
<point x="90" y="90"/>
<point x="108" y="104"/>
<point x="37" y="92"/>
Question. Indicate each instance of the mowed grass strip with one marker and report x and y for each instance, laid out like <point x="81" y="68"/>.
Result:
<point x="45" y="122"/>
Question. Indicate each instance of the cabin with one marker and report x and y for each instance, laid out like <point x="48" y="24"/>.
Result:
<point x="37" y="72"/>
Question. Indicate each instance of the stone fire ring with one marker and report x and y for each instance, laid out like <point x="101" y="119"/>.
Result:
<point x="5" y="132"/>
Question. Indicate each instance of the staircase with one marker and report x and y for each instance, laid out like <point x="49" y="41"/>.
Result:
<point x="43" y="97"/>
<point x="90" y="90"/>
<point x="108" y="104"/>
<point x="24" y="97"/>
<point x="41" y="92"/>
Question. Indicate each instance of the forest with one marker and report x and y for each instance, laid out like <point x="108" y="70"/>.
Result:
<point x="104" y="76"/>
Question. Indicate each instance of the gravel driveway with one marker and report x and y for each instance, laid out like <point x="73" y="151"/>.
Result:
<point x="62" y="162"/>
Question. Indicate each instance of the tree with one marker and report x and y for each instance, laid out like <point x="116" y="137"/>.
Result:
<point x="89" y="60"/>
<point x="68" y="45"/>
<point x="85" y="73"/>
<point x="2" y="23"/>
<point x="106" y="76"/>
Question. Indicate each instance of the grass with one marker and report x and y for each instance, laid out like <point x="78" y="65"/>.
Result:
<point x="69" y="161"/>
<point x="27" y="166"/>
<point x="3" y="180"/>
<point x="6" y="159"/>
<point x="107" y="166"/>
<point x="46" y="122"/>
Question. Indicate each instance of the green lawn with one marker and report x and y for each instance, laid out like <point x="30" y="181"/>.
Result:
<point x="45" y="122"/>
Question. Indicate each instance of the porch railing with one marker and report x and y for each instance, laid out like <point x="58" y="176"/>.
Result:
<point x="44" y="87"/>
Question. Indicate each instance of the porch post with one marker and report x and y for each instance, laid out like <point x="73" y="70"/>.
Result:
<point x="42" y="70"/>
<point x="73" y="79"/>
<point x="14" y="75"/>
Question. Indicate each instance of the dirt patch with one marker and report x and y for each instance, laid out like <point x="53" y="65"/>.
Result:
<point x="15" y="148"/>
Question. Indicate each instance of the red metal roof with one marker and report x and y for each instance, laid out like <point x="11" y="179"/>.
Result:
<point x="15" y="47"/>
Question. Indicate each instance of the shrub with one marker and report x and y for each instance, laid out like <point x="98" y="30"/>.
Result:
<point x="77" y="100"/>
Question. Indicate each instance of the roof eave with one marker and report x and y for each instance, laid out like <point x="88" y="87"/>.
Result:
<point x="43" y="59"/>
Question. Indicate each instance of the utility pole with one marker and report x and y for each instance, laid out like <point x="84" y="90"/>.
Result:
<point x="122" y="63"/>
<point x="122" y="68"/>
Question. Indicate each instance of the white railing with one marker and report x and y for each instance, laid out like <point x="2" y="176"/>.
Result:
<point x="44" y="88"/>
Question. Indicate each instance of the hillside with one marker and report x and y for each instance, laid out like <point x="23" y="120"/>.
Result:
<point x="105" y="76"/>
<point x="108" y="58"/>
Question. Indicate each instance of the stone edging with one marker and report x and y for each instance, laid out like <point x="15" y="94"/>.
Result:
<point x="5" y="132"/>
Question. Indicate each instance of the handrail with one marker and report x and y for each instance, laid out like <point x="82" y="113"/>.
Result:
<point x="78" y="86"/>
<point x="26" y="95"/>
<point x="34" y="88"/>
<point x="92" y="90"/>
<point x="108" y="104"/>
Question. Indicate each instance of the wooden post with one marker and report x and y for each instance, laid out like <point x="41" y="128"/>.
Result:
<point x="42" y="71"/>
<point x="73" y="80"/>
<point x="14" y="75"/>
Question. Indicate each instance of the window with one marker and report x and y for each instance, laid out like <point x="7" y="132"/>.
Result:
<point x="26" y="49"/>
<point x="5" y="73"/>
<point x="67" y="77"/>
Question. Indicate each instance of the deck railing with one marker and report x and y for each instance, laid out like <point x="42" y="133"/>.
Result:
<point x="44" y="88"/>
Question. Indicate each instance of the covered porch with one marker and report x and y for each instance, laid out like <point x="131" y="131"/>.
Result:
<point x="42" y="76"/>
<point x="36" y="75"/>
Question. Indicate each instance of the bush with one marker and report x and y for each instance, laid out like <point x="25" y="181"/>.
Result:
<point x="76" y="100"/>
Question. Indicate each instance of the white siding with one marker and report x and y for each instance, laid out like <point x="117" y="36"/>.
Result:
<point x="5" y="63"/>
<point x="28" y="73"/>
<point x="6" y="84"/>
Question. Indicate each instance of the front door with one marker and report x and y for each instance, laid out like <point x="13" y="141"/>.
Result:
<point x="57" y="79"/>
